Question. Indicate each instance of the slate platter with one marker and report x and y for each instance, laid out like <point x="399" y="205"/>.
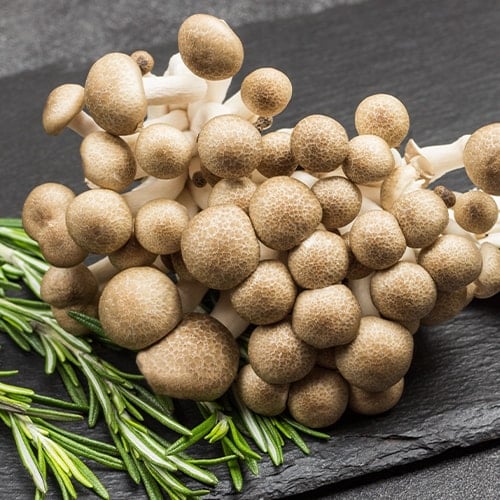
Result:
<point x="441" y="59"/>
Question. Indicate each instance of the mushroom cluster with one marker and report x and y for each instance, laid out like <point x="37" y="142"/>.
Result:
<point x="328" y="251"/>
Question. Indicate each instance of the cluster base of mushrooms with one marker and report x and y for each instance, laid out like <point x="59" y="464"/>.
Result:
<point x="328" y="251"/>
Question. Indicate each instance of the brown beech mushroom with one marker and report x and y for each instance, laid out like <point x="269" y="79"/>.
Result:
<point x="320" y="260"/>
<point x="404" y="292"/>
<point x="144" y="60"/>
<point x="132" y="254"/>
<point x="340" y="200"/>
<point x="319" y="143"/>
<point x="138" y="307"/>
<point x="482" y="158"/>
<point x="374" y="403"/>
<point x="487" y="283"/>
<point x="277" y="355"/>
<point x="163" y="151"/>
<point x="369" y="159"/>
<point x="114" y="94"/>
<point x="198" y="360"/>
<point x="72" y="325"/>
<point x="229" y="146"/>
<point x="383" y="115"/>
<point x="107" y="161"/>
<point x="378" y="357"/>
<point x="159" y="224"/>
<point x="219" y="247"/>
<point x="261" y="397"/>
<point x="43" y="217"/>
<point x="266" y="91"/>
<point x="326" y="317"/>
<point x="448" y="305"/>
<point x="376" y="239"/>
<point x="422" y="216"/>
<point x="209" y="47"/>
<point x="476" y="211"/>
<point x="452" y="261"/>
<point x="284" y="212"/>
<point x="277" y="156"/>
<point x="355" y="270"/>
<point x="99" y="221"/>
<point x="319" y="399"/>
<point x="233" y="192"/>
<point x="267" y="295"/>
<point x="64" y="108"/>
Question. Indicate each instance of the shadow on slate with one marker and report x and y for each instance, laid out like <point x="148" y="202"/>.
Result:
<point x="441" y="59"/>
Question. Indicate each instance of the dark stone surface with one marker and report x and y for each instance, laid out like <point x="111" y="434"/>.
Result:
<point x="441" y="59"/>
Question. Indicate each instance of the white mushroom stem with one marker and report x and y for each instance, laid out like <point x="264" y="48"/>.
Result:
<point x="156" y="110"/>
<point x="236" y="106"/>
<point x="488" y="282"/>
<point x="187" y="200"/>
<point x="217" y="90"/>
<point x="304" y="177"/>
<point x="83" y="124"/>
<point x="203" y="112"/>
<point x="225" y="313"/>
<point x="435" y="161"/>
<point x="409" y="255"/>
<point x="402" y="180"/>
<point x="151" y="189"/>
<point x="366" y="206"/>
<point x="361" y="290"/>
<point x="191" y="294"/>
<point x="176" y="118"/>
<point x="103" y="271"/>
<point x="177" y="89"/>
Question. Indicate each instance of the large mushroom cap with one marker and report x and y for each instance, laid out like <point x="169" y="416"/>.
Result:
<point x="62" y="105"/>
<point x="198" y="360"/>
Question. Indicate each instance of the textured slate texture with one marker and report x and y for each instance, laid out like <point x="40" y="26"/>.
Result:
<point x="441" y="59"/>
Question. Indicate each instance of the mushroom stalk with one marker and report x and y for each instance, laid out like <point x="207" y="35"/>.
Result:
<point x="361" y="290"/>
<point x="191" y="294"/>
<point x="224" y="312"/>
<point x="103" y="271"/>
<point x="236" y="106"/>
<point x="175" y="89"/>
<point x="83" y="124"/>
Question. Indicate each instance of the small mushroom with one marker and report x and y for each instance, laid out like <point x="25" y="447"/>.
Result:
<point x="476" y="211"/>
<point x="355" y="270"/>
<point x="233" y="192"/>
<point x="198" y="360"/>
<point x="72" y="325"/>
<point x="144" y="60"/>
<point x="487" y="283"/>
<point x="383" y="115"/>
<point x="448" y="305"/>
<point x="99" y="221"/>
<point x="378" y="357"/>
<point x="277" y="156"/>
<point x="319" y="143"/>
<point x="319" y="399"/>
<point x="326" y="317"/>
<point x="320" y="260"/>
<point x="209" y="47"/>
<point x="138" y="307"/>
<point x="284" y="212"/>
<point x="229" y="146"/>
<point x="277" y="355"/>
<point x="452" y="261"/>
<point x="132" y="254"/>
<point x="374" y="403"/>
<point x="481" y="158"/>
<point x="267" y="295"/>
<point x="261" y="397"/>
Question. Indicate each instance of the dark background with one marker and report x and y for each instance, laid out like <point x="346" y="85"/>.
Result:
<point x="442" y="59"/>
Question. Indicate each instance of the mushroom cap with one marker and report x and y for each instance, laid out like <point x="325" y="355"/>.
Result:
<point x="61" y="106"/>
<point x="487" y="283"/>
<point x="356" y="270"/>
<point x="374" y="403"/>
<point x="198" y="360"/>
<point x="144" y="60"/>
<point x="266" y="91"/>
<point x="383" y="115"/>
<point x="320" y="260"/>
<point x="159" y="224"/>
<point x="447" y="195"/>
<point x="319" y="399"/>
<point x="447" y="306"/>
<point x="138" y="307"/>
<point x="422" y="216"/>
<point x="114" y="94"/>
<point x="319" y="143"/>
<point x="326" y="317"/>
<point x="59" y="248"/>
<point x="277" y="355"/>
<point x="284" y="212"/>
<point x="261" y="397"/>
<point x="277" y="156"/>
<point x="99" y="221"/>
<point x="72" y="325"/>
<point x="219" y="247"/>
<point x="163" y="151"/>
<point x="376" y="239"/>
<point x="340" y="200"/>
<point x="370" y="159"/>
<point x="232" y="192"/>
<point x="476" y="211"/>
<point x="107" y="161"/>
<point x="230" y="146"/>
<point x="209" y="47"/>
<point x="62" y="287"/>
<point x="453" y="261"/>
<point x="378" y="357"/>
<point x="404" y="292"/>
<point x="482" y="158"/>
<point x="267" y="295"/>
<point x="132" y="254"/>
